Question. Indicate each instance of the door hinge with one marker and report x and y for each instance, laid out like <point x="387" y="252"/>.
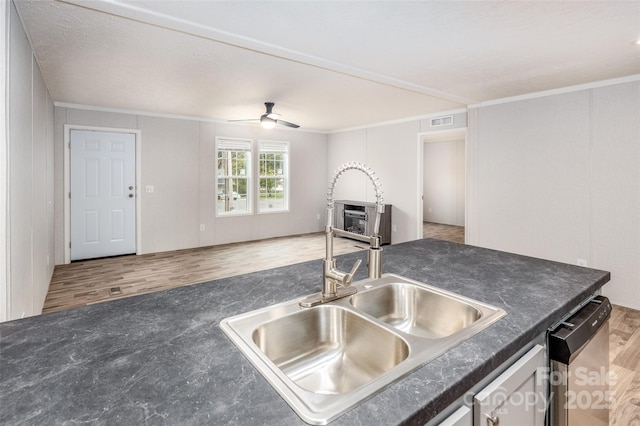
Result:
<point x="69" y="195"/>
<point x="69" y="244"/>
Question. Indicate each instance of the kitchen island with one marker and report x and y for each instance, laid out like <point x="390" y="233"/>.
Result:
<point x="161" y="358"/>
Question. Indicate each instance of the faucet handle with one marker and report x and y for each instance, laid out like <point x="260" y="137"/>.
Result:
<point x="348" y="278"/>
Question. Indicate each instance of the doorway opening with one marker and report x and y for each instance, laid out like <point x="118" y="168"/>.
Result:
<point x="443" y="185"/>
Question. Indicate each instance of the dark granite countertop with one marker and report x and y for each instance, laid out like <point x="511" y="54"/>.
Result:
<point x="161" y="358"/>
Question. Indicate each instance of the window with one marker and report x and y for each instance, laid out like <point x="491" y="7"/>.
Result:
<point x="274" y="177"/>
<point x="233" y="192"/>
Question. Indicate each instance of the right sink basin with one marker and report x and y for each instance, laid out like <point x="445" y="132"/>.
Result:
<point x="416" y="309"/>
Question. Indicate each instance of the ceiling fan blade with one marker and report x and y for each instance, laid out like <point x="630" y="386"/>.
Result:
<point x="286" y="123"/>
<point x="269" y="118"/>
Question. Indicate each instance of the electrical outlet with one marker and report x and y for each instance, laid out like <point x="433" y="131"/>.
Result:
<point x="318" y="216"/>
<point x="582" y="262"/>
<point x="149" y="189"/>
<point x="202" y="227"/>
<point x="394" y="228"/>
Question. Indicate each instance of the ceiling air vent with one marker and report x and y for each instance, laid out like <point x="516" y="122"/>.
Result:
<point x="445" y="120"/>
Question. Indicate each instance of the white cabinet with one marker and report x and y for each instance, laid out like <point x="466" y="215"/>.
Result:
<point x="518" y="396"/>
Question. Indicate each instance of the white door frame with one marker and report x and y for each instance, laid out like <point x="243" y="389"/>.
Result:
<point x="441" y="136"/>
<point x="67" y="181"/>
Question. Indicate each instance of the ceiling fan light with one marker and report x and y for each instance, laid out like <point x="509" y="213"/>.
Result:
<point x="267" y="123"/>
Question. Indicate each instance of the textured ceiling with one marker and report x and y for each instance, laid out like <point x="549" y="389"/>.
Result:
<point x="327" y="65"/>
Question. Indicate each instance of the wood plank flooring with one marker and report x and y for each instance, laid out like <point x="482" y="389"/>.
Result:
<point x="624" y="359"/>
<point x="443" y="232"/>
<point x="93" y="281"/>
<point x="88" y="282"/>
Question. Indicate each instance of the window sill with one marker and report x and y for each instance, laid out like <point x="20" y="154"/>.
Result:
<point x="274" y="211"/>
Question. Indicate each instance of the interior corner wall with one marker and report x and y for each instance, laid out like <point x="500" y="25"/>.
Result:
<point x="178" y="160"/>
<point x="615" y="189"/>
<point x="557" y="177"/>
<point x="4" y="162"/>
<point x="30" y="197"/>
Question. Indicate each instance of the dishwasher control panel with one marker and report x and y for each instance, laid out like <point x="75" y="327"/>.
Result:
<point x="567" y="340"/>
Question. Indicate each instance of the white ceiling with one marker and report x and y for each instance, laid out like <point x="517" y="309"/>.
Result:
<point x="327" y="65"/>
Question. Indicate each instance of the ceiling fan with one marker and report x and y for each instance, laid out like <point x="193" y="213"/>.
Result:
<point x="269" y="119"/>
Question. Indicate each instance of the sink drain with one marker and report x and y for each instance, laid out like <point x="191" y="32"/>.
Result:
<point x="114" y="291"/>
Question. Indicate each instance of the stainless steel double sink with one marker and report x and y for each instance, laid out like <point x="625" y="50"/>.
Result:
<point x="326" y="359"/>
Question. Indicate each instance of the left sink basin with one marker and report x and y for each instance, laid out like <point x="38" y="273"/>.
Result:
<point x="328" y="349"/>
<point x="321" y="360"/>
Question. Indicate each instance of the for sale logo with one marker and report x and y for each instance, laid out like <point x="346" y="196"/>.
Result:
<point x="581" y="376"/>
<point x="583" y="389"/>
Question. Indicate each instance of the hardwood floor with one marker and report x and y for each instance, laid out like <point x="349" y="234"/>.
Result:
<point x="443" y="232"/>
<point x="96" y="281"/>
<point x="624" y="359"/>
<point x="100" y="280"/>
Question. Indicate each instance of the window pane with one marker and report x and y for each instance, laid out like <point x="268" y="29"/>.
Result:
<point x="272" y="195"/>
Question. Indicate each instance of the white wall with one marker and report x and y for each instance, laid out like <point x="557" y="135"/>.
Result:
<point x="391" y="153"/>
<point x="444" y="182"/>
<point x="171" y="163"/>
<point x="557" y="177"/>
<point x="178" y="159"/>
<point x="395" y="153"/>
<point x="29" y="209"/>
<point x="345" y="147"/>
<point x="615" y="189"/>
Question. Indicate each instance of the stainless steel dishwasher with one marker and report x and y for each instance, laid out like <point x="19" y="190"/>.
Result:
<point x="579" y="355"/>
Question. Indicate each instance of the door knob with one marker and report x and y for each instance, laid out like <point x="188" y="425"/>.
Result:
<point x="130" y="195"/>
<point x="130" y="188"/>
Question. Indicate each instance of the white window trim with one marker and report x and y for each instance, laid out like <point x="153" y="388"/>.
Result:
<point x="249" y="196"/>
<point x="287" y="185"/>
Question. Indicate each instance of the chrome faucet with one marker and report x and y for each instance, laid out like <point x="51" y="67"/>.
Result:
<point x="332" y="276"/>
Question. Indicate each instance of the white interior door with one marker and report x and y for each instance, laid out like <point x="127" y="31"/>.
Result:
<point x="103" y="204"/>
